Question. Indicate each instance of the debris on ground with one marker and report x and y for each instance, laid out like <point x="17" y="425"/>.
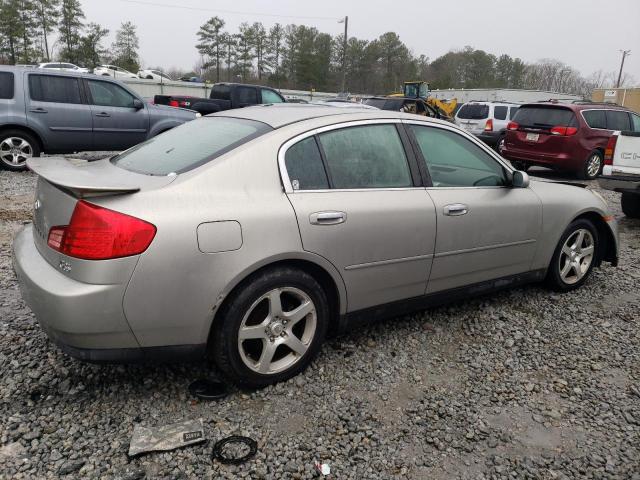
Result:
<point x="166" y="437"/>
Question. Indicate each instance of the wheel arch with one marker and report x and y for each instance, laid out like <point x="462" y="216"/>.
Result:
<point x="320" y="269"/>
<point x="23" y="128"/>
<point x="608" y="245"/>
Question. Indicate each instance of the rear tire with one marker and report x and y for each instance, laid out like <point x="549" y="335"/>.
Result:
<point x="282" y="314"/>
<point x="574" y="257"/>
<point x="592" y="166"/>
<point x="16" y="147"/>
<point x="630" y="204"/>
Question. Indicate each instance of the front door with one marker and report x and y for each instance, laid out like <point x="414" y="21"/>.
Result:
<point x="55" y="110"/>
<point x="354" y="192"/>
<point x="486" y="228"/>
<point x="117" y="124"/>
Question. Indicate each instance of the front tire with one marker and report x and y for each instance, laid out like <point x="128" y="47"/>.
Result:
<point x="592" y="166"/>
<point x="271" y="328"/>
<point x="574" y="257"/>
<point x="630" y="204"/>
<point x="16" y="147"/>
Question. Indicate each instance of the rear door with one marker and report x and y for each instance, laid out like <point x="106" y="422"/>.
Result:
<point x="486" y="229"/>
<point x="534" y="129"/>
<point x="473" y="117"/>
<point x="117" y="124"/>
<point x="57" y="109"/>
<point x="355" y="190"/>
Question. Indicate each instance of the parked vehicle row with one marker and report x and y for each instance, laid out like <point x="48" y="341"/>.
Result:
<point x="47" y="111"/>
<point x="487" y="120"/>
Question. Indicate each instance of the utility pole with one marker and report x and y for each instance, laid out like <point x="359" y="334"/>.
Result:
<point x="345" y="20"/>
<point x="625" y="53"/>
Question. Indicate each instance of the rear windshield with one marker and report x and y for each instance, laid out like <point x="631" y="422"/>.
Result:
<point x="376" y="102"/>
<point x="544" y="117"/>
<point x="473" y="112"/>
<point x="190" y="145"/>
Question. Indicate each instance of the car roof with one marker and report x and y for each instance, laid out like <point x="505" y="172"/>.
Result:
<point x="280" y="115"/>
<point x="578" y="106"/>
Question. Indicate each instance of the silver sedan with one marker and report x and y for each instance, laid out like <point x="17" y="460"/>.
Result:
<point x="252" y="234"/>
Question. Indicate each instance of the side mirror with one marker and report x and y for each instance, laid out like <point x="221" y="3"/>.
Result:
<point x="520" y="179"/>
<point x="137" y="104"/>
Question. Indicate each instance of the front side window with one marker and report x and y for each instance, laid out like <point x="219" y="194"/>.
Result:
<point x="269" y="96"/>
<point x="370" y="156"/>
<point x="595" y="118"/>
<point x="247" y="96"/>
<point x="109" y="94"/>
<point x="455" y="161"/>
<point x="6" y="85"/>
<point x="618" y="120"/>
<point x="500" y="112"/>
<point x="189" y="145"/>
<point x="50" y="88"/>
<point x="304" y="166"/>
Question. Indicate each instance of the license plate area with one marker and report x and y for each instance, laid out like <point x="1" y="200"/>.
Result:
<point x="532" y="137"/>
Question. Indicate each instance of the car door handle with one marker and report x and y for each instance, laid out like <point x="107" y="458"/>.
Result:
<point x="327" y="218"/>
<point x="102" y="114"/>
<point x="455" y="209"/>
<point x="38" y="110"/>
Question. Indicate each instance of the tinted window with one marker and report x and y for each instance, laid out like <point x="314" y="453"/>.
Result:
<point x="500" y="112"/>
<point x="454" y="161"/>
<point x="618" y="120"/>
<point x="222" y="92"/>
<point x="375" y="102"/>
<point x="50" y="88"/>
<point x="269" y="96"/>
<point x="371" y="156"/>
<point x="6" y="85"/>
<point x="595" y="118"/>
<point x="304" y="166"/>
<point x="533" y="116"/>
<point x="512" y="111"/>
<point x="247" y="95"/>
<point x="189" y="145"/>
<point x="636" y="122"/>
<point x="109" y="94"/>
<point x="473" y="111"/>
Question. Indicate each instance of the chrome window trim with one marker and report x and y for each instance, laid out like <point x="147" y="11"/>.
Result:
<point x="284" y="175"/>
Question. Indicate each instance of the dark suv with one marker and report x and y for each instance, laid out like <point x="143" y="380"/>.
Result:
<point x="564" y="136"/>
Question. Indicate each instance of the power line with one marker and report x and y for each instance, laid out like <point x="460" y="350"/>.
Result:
<point x="228" y="12"/>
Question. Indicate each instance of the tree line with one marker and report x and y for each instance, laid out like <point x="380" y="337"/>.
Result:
<point x="27" y="28"/>
<point x="291" y="56"/>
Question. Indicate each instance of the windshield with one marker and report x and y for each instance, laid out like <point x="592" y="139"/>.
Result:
<point x="190" y="145"/>
<point x="535" y="116"/>
<point x="473" y="112"/>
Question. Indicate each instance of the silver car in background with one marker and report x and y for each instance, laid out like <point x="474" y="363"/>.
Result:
<point x="252" y="234"/>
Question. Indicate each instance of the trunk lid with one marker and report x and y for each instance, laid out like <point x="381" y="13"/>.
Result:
<point x="473" y="117"/>
<point x="534" y="128"/>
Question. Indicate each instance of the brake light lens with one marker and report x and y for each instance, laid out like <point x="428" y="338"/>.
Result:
<point x="513" y="126"/>
<point x="173" y="103"/>
<point x="488" y="127"/>
<point x="97" y="233"/>
<point x="609" y="149"/>
<point x="564" y="131"/>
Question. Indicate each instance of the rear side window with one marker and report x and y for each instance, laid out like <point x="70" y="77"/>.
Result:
<point x="635" y="119"/>
<point x="513" y="111"/>
<point x="595" y="118"/>
<point x="6" y="85"/>
<point x="370" y="156"/>
<point x="190" y="145"/>
<point x="51" y="88"/>
<point x="247" y="96"/>
<point x="304" y="166"/>
<point x="618" y="120"/>
<point x="223" y="92"/>
<point x="500" y="112"/>
<point x="473" y="111"/>
<point x="548" y="117"/>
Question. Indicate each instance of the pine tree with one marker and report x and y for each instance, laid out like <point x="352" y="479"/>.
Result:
<point x="210" y="38"/>
<point x="91" y="49"/>
<point x="125" y="48"/>
<point x="46" y="13"/>
<point x="70" y="26"/>
<point x="259" y="42"/>
<point x="274" y="55"/>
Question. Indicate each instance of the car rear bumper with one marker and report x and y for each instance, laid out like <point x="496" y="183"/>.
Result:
<point x="85" y="320"/>
<point x="560" y="160"/>
<point x="620" y="183"/>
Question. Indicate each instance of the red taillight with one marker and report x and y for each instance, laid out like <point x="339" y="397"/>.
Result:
<point x="488" y="127"/>
<point x="173" y="103"/>
<point x="512" y="126"/>
<point x="97" y="233"/>
<point x="564" y="131"/>
<point x="609" y="149"/>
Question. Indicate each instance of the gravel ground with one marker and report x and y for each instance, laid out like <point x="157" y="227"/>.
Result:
<point x="521" y="384"/>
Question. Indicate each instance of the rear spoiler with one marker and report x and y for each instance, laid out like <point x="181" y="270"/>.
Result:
<point x="92" y="178"/>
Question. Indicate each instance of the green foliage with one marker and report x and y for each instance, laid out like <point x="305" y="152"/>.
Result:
<point x="91" y="50"/>
<point x="211" y="43"/>
<point x="125" y="47"/>
<point x="70" y="27"/>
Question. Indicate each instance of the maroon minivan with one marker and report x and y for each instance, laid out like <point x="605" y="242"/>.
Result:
<point x="564" y="136"/>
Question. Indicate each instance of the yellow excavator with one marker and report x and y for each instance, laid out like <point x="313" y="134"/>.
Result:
<point x="420" y="89"/>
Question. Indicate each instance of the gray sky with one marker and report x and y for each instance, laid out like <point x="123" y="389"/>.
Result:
<point x="586" y="34"/>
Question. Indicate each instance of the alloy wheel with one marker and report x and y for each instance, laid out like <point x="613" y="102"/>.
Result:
<point x="576" y="256"/>
<point x="593" y="165"/>
<point x="277" y="330"/>
<point x="14" y="151"/>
